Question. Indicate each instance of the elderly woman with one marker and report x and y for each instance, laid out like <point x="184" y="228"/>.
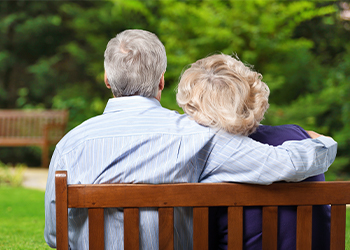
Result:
<point x="221" y="92"/>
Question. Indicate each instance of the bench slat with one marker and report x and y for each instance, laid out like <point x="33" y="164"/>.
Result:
<point x="131" y="228"/>
<point x="269" y="228"/>
<point x="143" y="195"/>
<point x="23" y="141"/>
<point x="338" y="221"/>
<point x="166" y="228"/>
<point x="96" y="229"/>
<point x="235" y="228"/>
<point x="304" y="227"/>
<point x="200" y="228"/>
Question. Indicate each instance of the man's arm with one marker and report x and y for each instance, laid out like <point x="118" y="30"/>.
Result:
<point x="241" y="159"/>
<point x="316" y="160"/>
<point x="50" y="203"/>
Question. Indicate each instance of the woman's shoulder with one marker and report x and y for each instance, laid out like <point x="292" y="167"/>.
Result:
<point x="286" y="128"/>
<point x="276" y="135"/>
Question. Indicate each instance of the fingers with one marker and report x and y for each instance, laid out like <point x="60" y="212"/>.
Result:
<point x="313" y="134"/>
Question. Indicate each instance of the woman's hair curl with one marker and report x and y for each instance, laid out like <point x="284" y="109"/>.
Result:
<point x="220" y="91"/>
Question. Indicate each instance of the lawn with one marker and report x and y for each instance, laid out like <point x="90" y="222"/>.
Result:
<point x="22" y="219"/>
<point x="22" y="222"/>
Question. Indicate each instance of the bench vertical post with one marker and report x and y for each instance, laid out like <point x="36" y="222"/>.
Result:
<point x="200" y="228"/>
<point x="235" y="228"/>
<point x="131" y="229"/>
<point x="45" y="148"/>
<point x="166" y="228"/>
<point x="96" y="229"/>
<point x="338" y="221"/>
<point x="304" y="227"/>
<point x="61" y="210"/>
<point x="269" y="228"/>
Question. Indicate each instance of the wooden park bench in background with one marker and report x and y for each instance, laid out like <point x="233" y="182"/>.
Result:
<point x="165" y="197"/>
<point x="32" y="128"/>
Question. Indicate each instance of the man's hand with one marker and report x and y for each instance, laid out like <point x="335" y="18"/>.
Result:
<point x="313" y="134"/>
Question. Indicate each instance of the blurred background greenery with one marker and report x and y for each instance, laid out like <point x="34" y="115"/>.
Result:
<point x="51" y="57"/>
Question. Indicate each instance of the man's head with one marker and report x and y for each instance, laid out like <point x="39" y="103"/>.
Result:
<point x="220" y="91"/>
<point x="135" y="62"/>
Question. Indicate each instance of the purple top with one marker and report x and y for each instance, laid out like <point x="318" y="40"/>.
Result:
<point x="252" y="216"/>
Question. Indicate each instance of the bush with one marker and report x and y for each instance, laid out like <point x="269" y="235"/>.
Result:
<point x="11" y="175"/>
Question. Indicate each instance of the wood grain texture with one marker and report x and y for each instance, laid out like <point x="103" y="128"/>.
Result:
<point x="304" y="227"/>
<point x="96" y="229"/>
<point x="61" y="210"/>
<point x="131" y="229"/>
<point x="200" y="228"/>
<point x="269" y="228"/>
<point x="204" y="194"/>
<point x="166" y="228"/>
<point x="338" y="221"/>
<point x="235" y="228"/>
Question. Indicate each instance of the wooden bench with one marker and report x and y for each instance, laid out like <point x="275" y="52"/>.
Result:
<point x="32" y="128"/>
<point x="165" y="197"/>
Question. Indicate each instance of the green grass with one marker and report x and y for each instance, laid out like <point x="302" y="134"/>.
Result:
<point x="22" y="219"/>
<point x="347" y="233"/>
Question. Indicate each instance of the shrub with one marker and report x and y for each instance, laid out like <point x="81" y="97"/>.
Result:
<point x="11" y="175"/>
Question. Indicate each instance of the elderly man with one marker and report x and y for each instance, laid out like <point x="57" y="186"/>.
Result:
<point x="136" y="140"/>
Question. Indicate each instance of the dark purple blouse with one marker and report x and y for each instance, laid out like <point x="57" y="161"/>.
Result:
<point x="252" y="216"/>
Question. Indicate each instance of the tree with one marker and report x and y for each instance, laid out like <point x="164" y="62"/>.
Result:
<point x="300" y="48"/>
<point x="52" y="54"/>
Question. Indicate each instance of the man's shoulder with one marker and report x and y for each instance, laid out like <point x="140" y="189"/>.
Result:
<point x="164" y="122"/>
<point x="77" y="135"/>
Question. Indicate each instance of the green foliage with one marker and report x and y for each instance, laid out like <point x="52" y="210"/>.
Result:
<point x="254" y="30"/>
<point x="11" y="176"/>
<point x="51" y="55"/>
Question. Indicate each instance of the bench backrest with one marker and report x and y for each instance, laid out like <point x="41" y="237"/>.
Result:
<point x="33" y="124"/>
<point x="165" y="197"/>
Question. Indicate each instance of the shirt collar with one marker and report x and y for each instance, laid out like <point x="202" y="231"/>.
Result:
<point x="130" y="102"/>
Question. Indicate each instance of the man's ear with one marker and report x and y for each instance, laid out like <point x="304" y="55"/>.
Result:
<point x="106" y="81"/>
<point x="161" y="83"/>
<point x="160" y="88"/>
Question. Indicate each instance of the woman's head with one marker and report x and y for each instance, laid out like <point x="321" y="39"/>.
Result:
<point x="220" y="91"/>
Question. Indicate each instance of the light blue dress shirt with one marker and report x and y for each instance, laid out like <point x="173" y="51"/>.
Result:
<point x="136" y="140"/>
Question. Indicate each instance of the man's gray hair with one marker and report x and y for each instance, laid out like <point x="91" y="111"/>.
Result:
<point x="135" y="61"/>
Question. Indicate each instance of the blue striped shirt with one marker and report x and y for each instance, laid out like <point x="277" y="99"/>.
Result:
<point x="136" y="140"/>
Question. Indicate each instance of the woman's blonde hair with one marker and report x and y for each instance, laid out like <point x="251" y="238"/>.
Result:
<point x="220" y="91"/>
